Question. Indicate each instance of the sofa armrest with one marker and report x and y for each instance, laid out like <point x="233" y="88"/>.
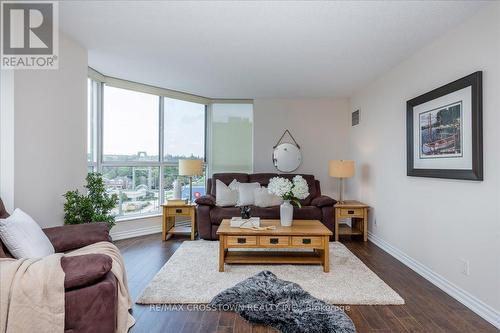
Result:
<point x="323" y="201"/>
<point x="206" y="200"/>
<point x="85" y="270"/>
<point x="75" y="236"/>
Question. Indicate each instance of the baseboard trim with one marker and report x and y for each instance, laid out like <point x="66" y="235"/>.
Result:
<point x="479" y="307"/>
<point x="135" y="232"/>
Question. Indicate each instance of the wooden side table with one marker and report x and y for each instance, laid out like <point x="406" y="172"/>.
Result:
<point x="170" y="212"/>
<point x="358" y="213"/>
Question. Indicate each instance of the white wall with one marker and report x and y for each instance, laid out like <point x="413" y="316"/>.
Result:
<point x="320" y="127"/>
<point x="7" y="138"/>
<point x="436" y="222"/>
<point x="50" y="134"/>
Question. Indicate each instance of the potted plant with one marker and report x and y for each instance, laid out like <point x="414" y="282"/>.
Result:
<point x="95" y="206"/>
<point x="289" y="190"/>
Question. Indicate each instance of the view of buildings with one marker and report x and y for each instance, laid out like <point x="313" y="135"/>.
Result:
<point x="138" y="188"/>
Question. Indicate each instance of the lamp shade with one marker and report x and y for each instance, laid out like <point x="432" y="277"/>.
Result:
<point x="341" y="168"/>
<point x="190" y="167"/>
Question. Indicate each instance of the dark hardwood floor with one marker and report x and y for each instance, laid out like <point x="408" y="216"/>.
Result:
<point x="427" y="308"/>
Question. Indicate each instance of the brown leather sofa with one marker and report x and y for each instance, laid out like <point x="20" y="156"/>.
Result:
<point x="209" y="216"/>
<point x="90" y="287"/>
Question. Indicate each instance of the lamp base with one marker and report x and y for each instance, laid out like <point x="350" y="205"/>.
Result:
<point x="341" y="190"/>
<point x="190" y="190"/>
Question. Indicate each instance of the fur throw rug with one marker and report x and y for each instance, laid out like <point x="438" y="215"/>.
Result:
<point x="284" y="305"/>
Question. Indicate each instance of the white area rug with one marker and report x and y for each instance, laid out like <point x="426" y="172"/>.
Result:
<point x="192" y="276"/>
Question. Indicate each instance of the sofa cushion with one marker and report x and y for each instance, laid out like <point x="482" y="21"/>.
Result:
<point x="311" y="183"/>
<point x="3" y="212"/>
<point x="322" y="201"/>
<point x="307" y="213"/>
<point x="261" y="178"/>
<point x="4" y="252"/>
<point x="266" y="212"/>
<point x="217" y="214"/>
<point x="265" y="199"/>
<point x="227" y="178"/>
<point x="75" y="236"/>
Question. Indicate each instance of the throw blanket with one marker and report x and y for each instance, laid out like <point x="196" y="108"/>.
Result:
<point x="32" y="292"/>
<point x="124" y="318"/>
<point x="32" y="295"/>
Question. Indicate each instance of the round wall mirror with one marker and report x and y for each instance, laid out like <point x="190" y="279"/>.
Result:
<point x="287" y="157"/>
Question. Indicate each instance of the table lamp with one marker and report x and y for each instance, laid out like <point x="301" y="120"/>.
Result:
<point x="341" y="169"/>
<point x="190" y="168"/>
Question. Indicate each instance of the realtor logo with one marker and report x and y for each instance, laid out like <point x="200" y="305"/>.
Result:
<point x="29" y="36"/>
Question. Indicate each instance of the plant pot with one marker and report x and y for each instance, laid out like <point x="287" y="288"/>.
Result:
<point x="286" y="213"/>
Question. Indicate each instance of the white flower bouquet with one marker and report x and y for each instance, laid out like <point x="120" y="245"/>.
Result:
<point x="292" y="190"/>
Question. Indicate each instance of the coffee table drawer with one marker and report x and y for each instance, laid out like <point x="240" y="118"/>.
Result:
<point x="306" y="241"/>
<point x="270" y="241"/>
<point x="241" y="240"/>
<point x="351" y="212"/>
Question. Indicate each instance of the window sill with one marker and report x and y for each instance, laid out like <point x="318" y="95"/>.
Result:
<point x="137" y="217"/>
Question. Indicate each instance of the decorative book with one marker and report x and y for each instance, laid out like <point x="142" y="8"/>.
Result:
<point x="238" y="222"/>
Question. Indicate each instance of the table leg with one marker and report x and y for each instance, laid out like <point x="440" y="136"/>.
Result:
<point x="193" y="224"/>
<point x="164" y="227"/>
<point x="337" y="218"/>
<point x="326" y="254"/>
<point x="222" y="252"/>
<point x="365" y="224"/>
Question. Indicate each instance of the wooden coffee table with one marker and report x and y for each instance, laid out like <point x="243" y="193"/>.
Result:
<point x="303" y="234"/>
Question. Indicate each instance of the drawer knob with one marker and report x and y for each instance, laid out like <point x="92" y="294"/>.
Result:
<point x="350" y="212"/>
<point x="178" y="210"/>
<point x="306" y="241"/>
<point x="274" y="240"/>
<point x="242" y="240"/>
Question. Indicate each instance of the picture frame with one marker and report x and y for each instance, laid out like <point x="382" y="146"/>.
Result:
<point x="444" y="131"/>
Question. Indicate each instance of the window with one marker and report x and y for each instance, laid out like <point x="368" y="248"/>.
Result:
<point x="136" y="139"/>
<point x="126" y="144"/>
<point x="232" y="137"/>
<point x="184" y="137"/>
<point x="130" y="125"/>
<point x="184" y="130"/>
<point x="138" y="189"/>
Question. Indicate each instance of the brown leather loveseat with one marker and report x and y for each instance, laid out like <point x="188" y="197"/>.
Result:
<point x="90" y="298"/>
<point x="209" y="216"/>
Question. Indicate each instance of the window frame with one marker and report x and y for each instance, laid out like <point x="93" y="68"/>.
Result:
<point x="99" y="163"/>
<point x="98" y="82"/>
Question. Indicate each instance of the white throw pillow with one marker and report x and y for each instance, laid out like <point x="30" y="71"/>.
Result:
<point x="226" y="195"/>
<point x="23" y="236"/>
<point x="246" y="193"/>
<point x="265" y="199"/>
<point x="234" y="185"/>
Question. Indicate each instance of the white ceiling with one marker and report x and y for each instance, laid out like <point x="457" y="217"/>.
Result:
<point x="256" y="49"/>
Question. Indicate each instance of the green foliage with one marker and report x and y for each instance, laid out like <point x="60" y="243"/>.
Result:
<point x="95" y="206"/>
<point x="293" y="200"/>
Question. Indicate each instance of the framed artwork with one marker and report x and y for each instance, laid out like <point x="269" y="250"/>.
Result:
<point x="444" y="131"/>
